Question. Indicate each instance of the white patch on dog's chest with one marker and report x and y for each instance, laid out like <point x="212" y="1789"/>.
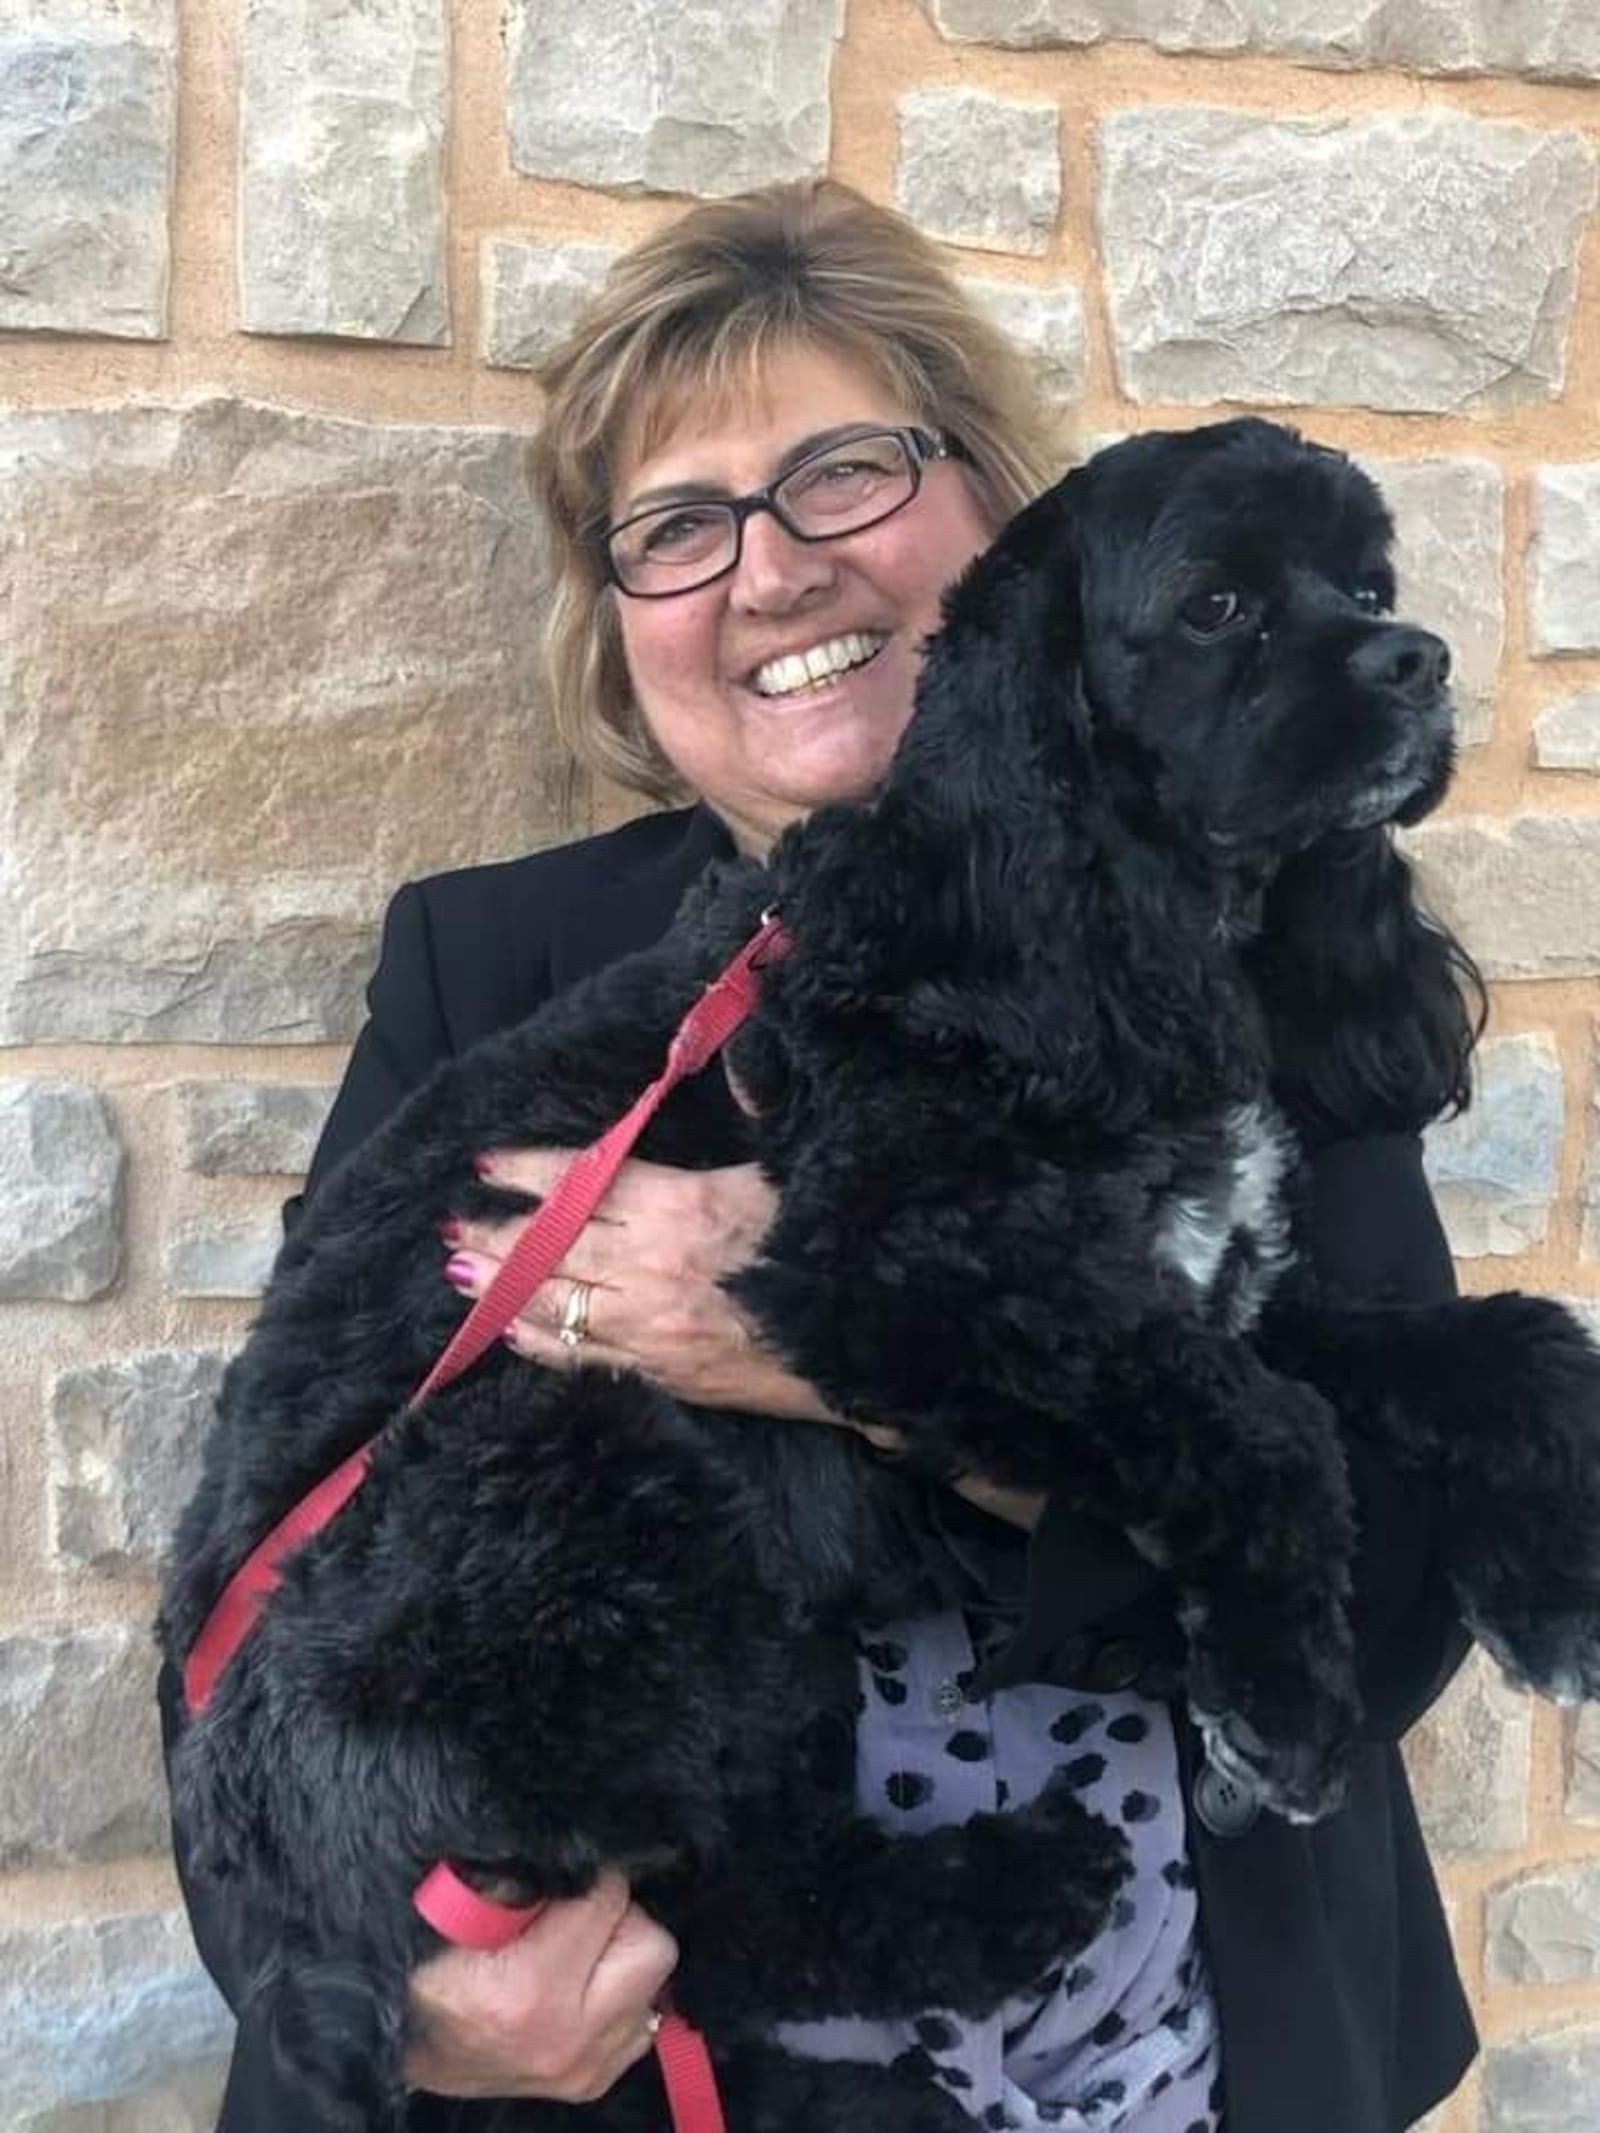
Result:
<point x="1230" y="1239"/>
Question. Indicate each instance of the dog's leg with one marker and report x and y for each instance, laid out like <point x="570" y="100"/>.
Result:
<point x="1495" y="1402"/>
<point x="812" y="1921"/>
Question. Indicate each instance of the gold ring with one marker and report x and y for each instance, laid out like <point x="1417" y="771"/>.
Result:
<point x="652" y="2022"/>
<point x="574" y="1329"/>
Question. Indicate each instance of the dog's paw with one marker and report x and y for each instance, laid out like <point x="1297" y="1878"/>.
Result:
<point x="1554" y="1655"/>
<point x="1281" y="1730"/>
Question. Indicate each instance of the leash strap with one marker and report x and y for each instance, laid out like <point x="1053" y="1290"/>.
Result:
<point x="450" y="1905"/>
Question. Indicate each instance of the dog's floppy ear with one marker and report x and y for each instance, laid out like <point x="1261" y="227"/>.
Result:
<point x="1372" y="1007"/>
<point x="1000" y="713"/>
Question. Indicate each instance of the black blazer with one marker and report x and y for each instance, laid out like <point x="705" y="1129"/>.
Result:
<point x="1340" y="2005"/>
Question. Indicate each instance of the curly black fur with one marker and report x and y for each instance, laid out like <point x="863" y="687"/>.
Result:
<point x="1125" y="920"/>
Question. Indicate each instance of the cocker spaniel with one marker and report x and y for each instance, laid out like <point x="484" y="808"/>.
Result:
<point x="1123" y="932"/>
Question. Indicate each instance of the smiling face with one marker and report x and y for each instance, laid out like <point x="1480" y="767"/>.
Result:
<point x="715" y="671"/>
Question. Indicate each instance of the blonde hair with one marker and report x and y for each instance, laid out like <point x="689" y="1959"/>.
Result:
<point x="688" y="319"/>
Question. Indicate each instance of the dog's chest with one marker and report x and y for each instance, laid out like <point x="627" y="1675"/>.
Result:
<point x="1225" y="1229"/>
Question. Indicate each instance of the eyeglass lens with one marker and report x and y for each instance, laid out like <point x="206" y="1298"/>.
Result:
<point x="841" y="490"/>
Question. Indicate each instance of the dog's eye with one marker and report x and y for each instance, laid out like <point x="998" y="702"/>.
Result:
<point x="1208" y="612"/>
<point x="1372" y="595"/>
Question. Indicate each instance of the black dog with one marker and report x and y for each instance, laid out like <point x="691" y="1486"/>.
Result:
<point x="1126" y="904"/>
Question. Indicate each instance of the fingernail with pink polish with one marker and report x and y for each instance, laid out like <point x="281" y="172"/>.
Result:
<point x="450" y="1232"/>
<point x="459" y="1272"/>
<point x="483" y="1165"/>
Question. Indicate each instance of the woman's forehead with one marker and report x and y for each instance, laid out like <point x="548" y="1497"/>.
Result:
<point x="765" y="401"/>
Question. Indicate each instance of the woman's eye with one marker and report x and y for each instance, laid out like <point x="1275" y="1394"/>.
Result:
<point x="1208" y="612"/>
<point x="681" y="530"/>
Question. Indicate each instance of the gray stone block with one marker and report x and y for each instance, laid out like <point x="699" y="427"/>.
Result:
<point x="325" y="636"/>
<point x="342" y="170"/>
<point x="124" y="1445"/>
<point x="88" y="105"/>
<point x="1543" y="2084"/>
<point x="1583" y="1740"/>
<point x="672" y="94"/>
<point x="1523" y="893"/>
<point x="1564" y="560"/>
<point x="1496" y="1170"/>
<point x="1566" y="736"/>
<point x="188" y="2102"/>
<point x="1047" y="324"/>
<point x="1420" y="263"/>
<point x="232" y="1258"/>
<point x="104" y="2008"/>
<point x="979" y="170"/>
<point x="1450" y="561"/>
<point x="81" y="1775"/>
<point x="1551" y="40"/>
<point x="251" y="1128"/>
<point x="1544" y="1929"/>
<point x="532" y="295"/>
<point x="1470" y="1764"/>
<point x="61" y="1174"/>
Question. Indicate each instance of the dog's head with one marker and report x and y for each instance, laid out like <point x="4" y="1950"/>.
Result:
<point x="1214" y="605"/>
<point x="1185" y="650"/>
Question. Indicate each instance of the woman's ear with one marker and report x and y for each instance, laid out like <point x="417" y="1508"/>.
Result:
<point x="1372" y="1007"/>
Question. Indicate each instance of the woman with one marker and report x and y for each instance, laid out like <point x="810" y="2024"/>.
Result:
<point x="778" y="436"/>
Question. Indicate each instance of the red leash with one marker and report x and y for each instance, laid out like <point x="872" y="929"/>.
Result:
<point x="454" y="1909"/>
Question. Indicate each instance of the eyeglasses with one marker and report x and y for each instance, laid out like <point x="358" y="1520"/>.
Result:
<point x="846" y="487"/>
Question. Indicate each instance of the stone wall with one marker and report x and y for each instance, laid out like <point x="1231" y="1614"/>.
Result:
<point x="269" y="280"/>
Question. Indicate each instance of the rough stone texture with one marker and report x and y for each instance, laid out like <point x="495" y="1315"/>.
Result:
<point x="1048" y="324"/>
<point x="341" y="170"/>
<point x="1469" y="1761"/>
<point x="224" y="1258"/>
<point x="103" y="2008"/>
<point x="1583" y="1760"/>
<point x="1545" y="1928"/>
<point x="1589" y="1188"/>
<point x="1552" y="40"/>
<point x="124" y="1446"/>
<point x="1417" y="263"/>
<point x="1449" y="556"/>
<point x="1564" y="560"/>
<point x="1567" y="735"/>
<point x="670" y="94"/>
<point x="88" y="120"/>
<point x="82" y="1757"/>
<point x="188" y="2103"/>
<point x="251" y="1128"/>
<point x="532" y="295"/>
<point x="1495" y="1172"/>
<point x="1543" y="2084"/>
<point x="257" y="668"/>
<point x="1524" y="894"/>
<point x="61" y="1172"/>
<point x="979" y="170"/>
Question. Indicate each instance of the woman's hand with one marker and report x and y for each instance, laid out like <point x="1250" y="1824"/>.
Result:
<point x="562" y="2013"/>
<point x="653" y="1261"/>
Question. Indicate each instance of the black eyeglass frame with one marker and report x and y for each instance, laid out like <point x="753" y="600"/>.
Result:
<point x="921" y="447"/>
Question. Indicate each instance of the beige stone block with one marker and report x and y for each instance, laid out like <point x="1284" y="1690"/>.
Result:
<point x="981" y="170"/>
<point x="88" y="120"/>
<point x="94" y="2011"/>
<point x="1047" y="325"/>
<point x="251" y="1128"/>
<point x="673" y="95"/>
<point x="1423" y="262"/>
<point x="1564" y="560"/>
<point x="80" y="1762"/>
<point x="1553" y="40"/>
<point x="1523" y="893"/>
<point x="258" y="668"/>
<point x="1567" y="735"/>
<point x="342" y="169"/>
<point x="1470" y="1762"/>
<point x="1449" y="562"/>
<point x="532" y="295"/>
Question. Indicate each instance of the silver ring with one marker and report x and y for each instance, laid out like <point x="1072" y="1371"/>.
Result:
<point x="574" y="1329"/>
<point x="652" y="2023"/>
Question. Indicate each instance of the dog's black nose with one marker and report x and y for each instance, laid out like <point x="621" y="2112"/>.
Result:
<point x="1401" y="661"/>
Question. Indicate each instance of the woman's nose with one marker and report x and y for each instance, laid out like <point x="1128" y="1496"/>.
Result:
<point x="775" y="570"/>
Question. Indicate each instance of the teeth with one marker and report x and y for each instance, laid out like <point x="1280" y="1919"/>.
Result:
<point x="803" y="670"/>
